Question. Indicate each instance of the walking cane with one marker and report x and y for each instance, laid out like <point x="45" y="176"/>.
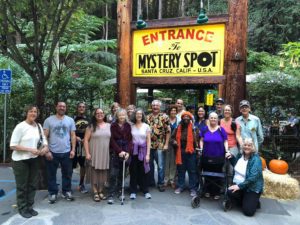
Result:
<point x="123" y="182"/>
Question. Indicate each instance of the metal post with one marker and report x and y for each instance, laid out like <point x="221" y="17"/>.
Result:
<point x="4" y="130"/>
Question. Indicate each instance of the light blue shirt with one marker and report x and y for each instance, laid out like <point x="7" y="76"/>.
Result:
<point x="251" y="128"/>
<point x="59" y="133"/>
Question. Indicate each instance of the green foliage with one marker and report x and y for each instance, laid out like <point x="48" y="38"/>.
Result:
<point x="291" y="52"/>
<point x="272" y="89"/>
<point x="81" y="28"/>
<point x="261" y="62"/>
<point x="272" y="23"/>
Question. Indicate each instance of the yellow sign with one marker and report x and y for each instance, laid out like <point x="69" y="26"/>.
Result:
<point x="210" y="99"/>
<point x="181" y="51"/>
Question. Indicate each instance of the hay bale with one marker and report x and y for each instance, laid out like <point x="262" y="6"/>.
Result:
<point x="280" y="186"/>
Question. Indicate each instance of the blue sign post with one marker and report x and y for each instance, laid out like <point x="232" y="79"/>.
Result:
<point x="5" y="88"/>
<point x="5" y="81"/>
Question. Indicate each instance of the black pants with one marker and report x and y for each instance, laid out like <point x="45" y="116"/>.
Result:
<point x="138" y="175"/>
<point x="115" y="175"/>
<point x="213" y="185"/>
<point x="247" y="200"/>
<point x="26" y="175"/>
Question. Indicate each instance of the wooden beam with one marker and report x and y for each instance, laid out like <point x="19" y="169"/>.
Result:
<point x="124" y="12"/>
<point x="181" y="21"/>
<point x="234" y="89"/>
<point x="152" y="81"/>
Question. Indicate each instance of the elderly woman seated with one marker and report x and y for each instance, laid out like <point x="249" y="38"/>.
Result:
<point x="248" y="179"/>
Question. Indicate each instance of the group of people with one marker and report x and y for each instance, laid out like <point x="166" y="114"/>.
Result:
<point x="170" y="139"/>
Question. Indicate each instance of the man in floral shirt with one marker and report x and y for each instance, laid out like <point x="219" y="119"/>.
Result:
<point x="160" y="135"/>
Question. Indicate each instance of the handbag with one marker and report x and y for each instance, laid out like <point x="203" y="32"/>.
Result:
<point x="40" y="142"/>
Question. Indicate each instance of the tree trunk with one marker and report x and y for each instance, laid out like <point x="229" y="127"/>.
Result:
<point x="40" y="92"/>
<point x="106" y="25"/>
<point x="159" y="9"/>
<point x="147" y="9"/>
<point x="139" y="9"/>
<point x="182" y="8"/>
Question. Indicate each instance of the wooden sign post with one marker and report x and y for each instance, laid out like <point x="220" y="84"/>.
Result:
<point x="177" y="52"/>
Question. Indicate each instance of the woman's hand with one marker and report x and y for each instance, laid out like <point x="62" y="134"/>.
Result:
<point x="44" y="150"/>
<point x="234" y="188"/>
<point x="124" y="155"/>
<point x="35" y="151"/>
<point x="147" y="158"/>
<point x="228" y="155"/>
<point x="88" y="156"/>
<point x="49" y="156"/>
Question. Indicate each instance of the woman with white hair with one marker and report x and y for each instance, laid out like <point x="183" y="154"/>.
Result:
<point x="213" y="141"/>
<point x="248" y="179"/>
<point x="121" y="146"/>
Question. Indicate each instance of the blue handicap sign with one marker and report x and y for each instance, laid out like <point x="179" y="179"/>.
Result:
<point x="5" y="81"/>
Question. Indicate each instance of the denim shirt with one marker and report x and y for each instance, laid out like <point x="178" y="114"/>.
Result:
<point x="251" y="128"/>
<point x="254" y="178"/>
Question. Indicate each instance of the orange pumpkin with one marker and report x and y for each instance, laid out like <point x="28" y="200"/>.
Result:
<point x="263" y="163"/>
<point x="278" y="166"/>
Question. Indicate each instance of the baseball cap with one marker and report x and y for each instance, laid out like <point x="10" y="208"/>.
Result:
<point x="220" y="100"/>
<point x="244" y="103"/>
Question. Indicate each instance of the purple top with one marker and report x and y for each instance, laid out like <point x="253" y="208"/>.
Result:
<point x="141" y="151"/>
<point x="213" y="142"/>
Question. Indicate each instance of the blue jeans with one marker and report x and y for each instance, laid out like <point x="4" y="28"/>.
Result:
<point x="66" y="172"/>
<point x="159" y="156"/>
<point x="189" y="164"/>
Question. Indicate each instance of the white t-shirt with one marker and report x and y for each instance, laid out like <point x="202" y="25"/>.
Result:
<point x="28" y="136"/>
<point x="139" y="135"/>
<point x="240" y="170"/>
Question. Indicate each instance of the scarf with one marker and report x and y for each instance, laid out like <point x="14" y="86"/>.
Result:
<point x="189" y="142"/>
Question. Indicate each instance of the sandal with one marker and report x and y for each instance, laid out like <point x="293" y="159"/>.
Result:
<point x="96" y="197"/>
<point x="102" y="196"/>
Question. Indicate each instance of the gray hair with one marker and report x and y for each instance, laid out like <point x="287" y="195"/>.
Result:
<point x="121" y="110"/>
<point x="249" y="141"/>
<point x="213" y="113"/>
<point x="156" y="102"/>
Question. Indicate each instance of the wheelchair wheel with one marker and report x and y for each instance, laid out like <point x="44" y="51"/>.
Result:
<point x="227" y="205"/>
<point x="195" y="202"/>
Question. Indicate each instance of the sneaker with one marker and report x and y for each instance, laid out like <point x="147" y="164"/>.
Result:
<point x="148" y="195"/>
<point x="33" y="212"/>
<point x="82" y="189"/>
<point x="216" y="197"/>
<point x="161" y="188"/>
<point x="67" y="195"/>
<point x="178" y="191"/>
<point x="132" y="196"/>
<point x="207" y="195"/>
<point x="52" y="198"/>
<point x="193" y="193"/>
<point x="110" y="200"/>
<point x="122" y="198"/>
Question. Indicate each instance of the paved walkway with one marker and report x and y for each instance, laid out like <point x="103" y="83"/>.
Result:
<point x="163" y="209"/>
